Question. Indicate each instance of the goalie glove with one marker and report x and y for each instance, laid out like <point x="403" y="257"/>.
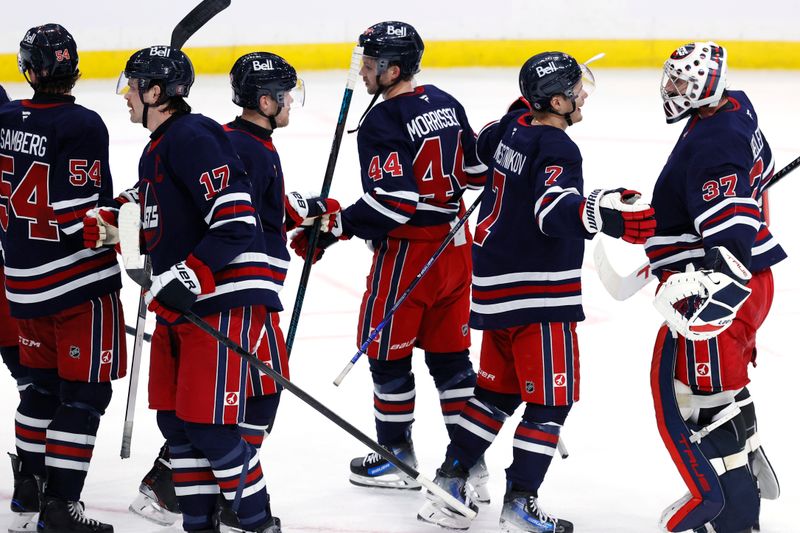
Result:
<point x="100" y="227"/>
<point x="701" y="304"/>
<point x="619" y="213"/>
<point x="302" y="209"/>
<point x="173" y="292"/>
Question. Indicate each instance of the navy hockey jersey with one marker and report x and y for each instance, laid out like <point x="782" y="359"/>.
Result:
<point x="529" y="240"/>
<point x="53" y="168"/>
<point x="3" y="96"/>
<point x="417" y="155"/>
<point x="710" y="192"/>
<point x="196" y="199"/>
<point x="262" y="163"/>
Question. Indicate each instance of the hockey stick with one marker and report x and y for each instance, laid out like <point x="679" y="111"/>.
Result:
<point x="130" y="330"/>
<point x="375" y="332"/>
<point x="136" y="363"/>
<point x="188" y="26"/>
<point x="313" y="237"/>
<point x="197" y="17"/>
<point x="622" y="287"/>
<point x="129" y="222"/>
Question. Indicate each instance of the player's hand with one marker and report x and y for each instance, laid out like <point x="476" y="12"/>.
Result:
<point x="302" y="209"/>
<point x="300" y="243"/>
<point x="100" y="227"/>
<point x="173" y="292"/>
<point x="620" y="214"/>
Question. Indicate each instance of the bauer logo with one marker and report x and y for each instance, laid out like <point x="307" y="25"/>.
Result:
<point x="547" y="69"/>
<point x="399" y="31"/>
<point x="266" y="65"/>
<point x="160" y="51"/>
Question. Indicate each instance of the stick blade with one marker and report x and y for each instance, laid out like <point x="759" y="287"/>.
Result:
<point x="619" y="287"/>
<point x="197" y="17"/>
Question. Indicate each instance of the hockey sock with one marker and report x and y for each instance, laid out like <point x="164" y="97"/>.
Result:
<point x="745" y="403"/>
<point x="237" y="469"/>
<point x="535" y="443"/>
<point x="394" y="397"/>
<point x="37" y="406"/>
<point x="478" y="425"/>
<point x="21" y="374"/>
<point x="195" y="485"/>
<point x="71" y="436"/>
<point x="259" y="418"/>
<point x="455" y="380"/>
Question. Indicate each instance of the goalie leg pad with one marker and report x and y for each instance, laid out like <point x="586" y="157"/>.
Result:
<point x="705" y="499"/>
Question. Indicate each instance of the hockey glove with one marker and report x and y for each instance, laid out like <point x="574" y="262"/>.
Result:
<point x="702" y="304"/>
<point x="172" y="293"/>
<point x="619" y="213"/>
<point x="302" y="209"/>
<point x="100" y="227"/>
<point x="330" y="233"/>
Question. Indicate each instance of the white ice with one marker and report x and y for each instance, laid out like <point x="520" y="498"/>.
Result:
<point x="618" y="477"/>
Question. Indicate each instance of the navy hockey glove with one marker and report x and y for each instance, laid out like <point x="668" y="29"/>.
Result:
<point x="619" y="213"/>
<point x="173" y="292"/>
<point x="100" y="227"/>
<point x="302" y="209"/>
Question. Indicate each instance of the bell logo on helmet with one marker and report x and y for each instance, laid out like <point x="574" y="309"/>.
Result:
<point x="29" y="38"/>
<point x="160" y="51"/>
<point x="266" y="65"/>
<point x="399" y="31"/>
<point x="551" y="67"/>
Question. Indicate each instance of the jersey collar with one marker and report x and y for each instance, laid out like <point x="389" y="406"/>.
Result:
<point x="253" y="129"/>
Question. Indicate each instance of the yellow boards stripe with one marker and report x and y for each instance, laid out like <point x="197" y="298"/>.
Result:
<point x="488" y="53"/>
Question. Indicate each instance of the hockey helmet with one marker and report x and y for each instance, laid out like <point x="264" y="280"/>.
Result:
<point x="49" y="51"/>
<point x="260" y="73"/>
<point x="393" y="42"/>
<point x="159" y="64"/>
<point x="694" y="76"/>
<point x="548" y="74"/>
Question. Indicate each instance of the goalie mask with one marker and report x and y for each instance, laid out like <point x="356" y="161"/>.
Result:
<point x="700" y="305"/>
<point x="694" y="76"/>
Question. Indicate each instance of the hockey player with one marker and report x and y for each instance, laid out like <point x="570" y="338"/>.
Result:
<point x="526" y="288"/>
<point x="208" y="255"/>
<point x="711" y="224"/>
<point x="3" y="96"/>
<point x="417" y="154"/>
<point x="54" y="162"/>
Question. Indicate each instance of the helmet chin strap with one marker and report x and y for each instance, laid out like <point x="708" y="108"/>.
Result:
<point x="271" y="118"/>
<point x="567" y="116"/>
<point x="382" y="89"/>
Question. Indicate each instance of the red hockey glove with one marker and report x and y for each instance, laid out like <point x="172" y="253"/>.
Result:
<point x="302" y="209"/>
<point x="100" y="227"/>
<point x="173" y="292"/>
<point x="619" y="213"/>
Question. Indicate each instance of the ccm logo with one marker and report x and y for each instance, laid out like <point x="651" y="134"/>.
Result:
<point x="266" y="65"/>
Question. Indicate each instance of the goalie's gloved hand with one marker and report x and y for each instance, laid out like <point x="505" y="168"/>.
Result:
<point x="702" y="304"/>
<point x="100" y="227"/>
<point x="173" y="292"/>
<point x="302" y="209"/>
<point x="619" y="213"/>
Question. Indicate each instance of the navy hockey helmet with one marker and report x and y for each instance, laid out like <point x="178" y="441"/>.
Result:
<point x="548" y="74"/>
<point x="393" y="42"/>
<point x="159" y="64"/>
<point x="264" y="73"/>
<point x="50" y="52"/>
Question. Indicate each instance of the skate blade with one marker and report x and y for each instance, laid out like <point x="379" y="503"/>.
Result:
<point x="23" y="522"/>
<point x="149" y="509"/>
<point x="443" y="517"/>
<point x="385" y="482"/>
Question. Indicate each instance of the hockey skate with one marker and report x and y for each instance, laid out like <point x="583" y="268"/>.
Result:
<point x="156" y="501"/>
<point x="63" y="516"/>
<point x="521" y="514"/>
<point x="478" y="483"/>
<point x="25" y="500"/>
<point x="452" y="478"/>
<point x="375" y="471"/>
<point x="229" y="523"/>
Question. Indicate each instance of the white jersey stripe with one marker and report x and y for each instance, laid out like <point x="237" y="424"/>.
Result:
<point x="561" y="275"/>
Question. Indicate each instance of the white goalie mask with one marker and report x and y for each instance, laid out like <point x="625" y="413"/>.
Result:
<point x="694" y="76"/>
